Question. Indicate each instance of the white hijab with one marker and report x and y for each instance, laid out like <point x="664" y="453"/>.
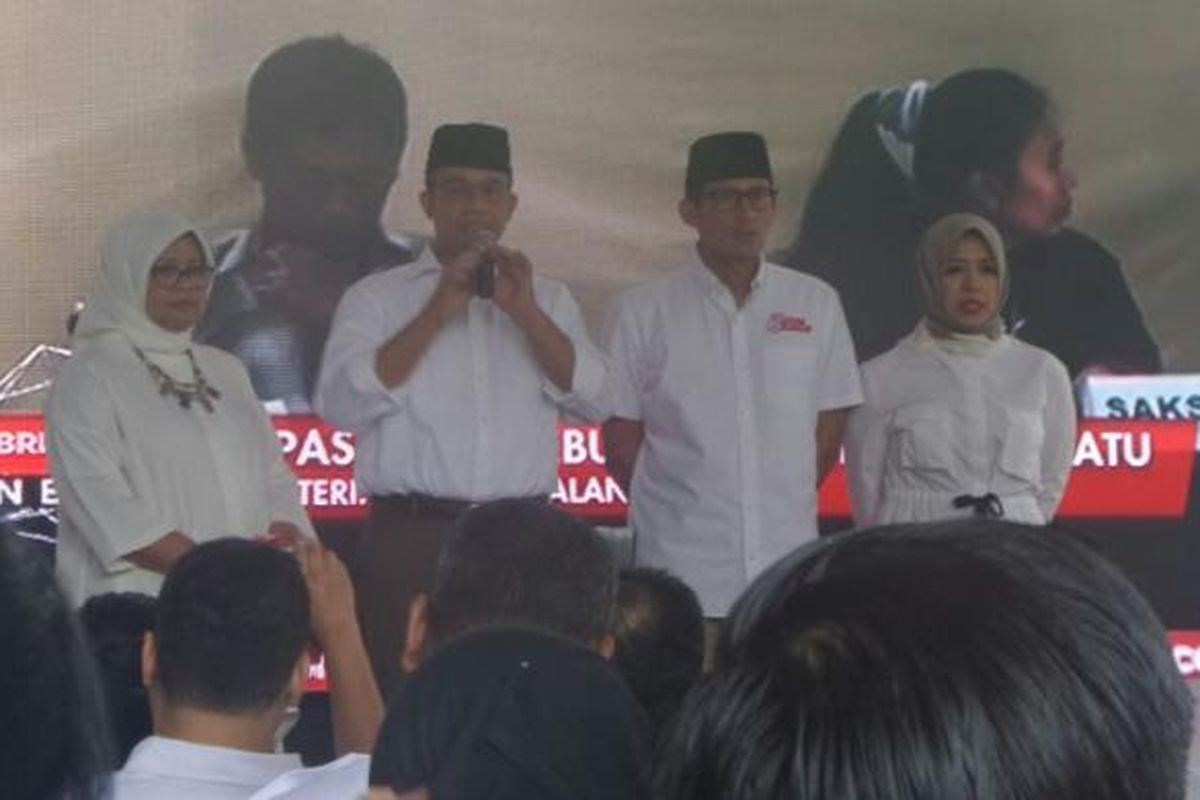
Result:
<point x="117" y="303"/>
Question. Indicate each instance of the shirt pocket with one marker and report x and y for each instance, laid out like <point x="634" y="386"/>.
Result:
<point x="921" y="434"/>
<point x="1021" y="447"/>
<point x="789" y="371"/>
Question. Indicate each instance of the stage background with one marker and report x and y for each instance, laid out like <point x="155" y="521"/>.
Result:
<point x="113" y="105"/>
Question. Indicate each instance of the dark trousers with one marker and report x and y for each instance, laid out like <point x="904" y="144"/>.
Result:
<point x="394" y="562"/>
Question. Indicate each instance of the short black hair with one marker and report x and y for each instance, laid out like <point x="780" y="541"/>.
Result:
<point x="978" y="120"/>
<point x="523" y="562"/>
<point x="232" y="620"/>
<point x="115" y="624"/>
<point x="976" y="659"/>
<point x="659" y="631"/>
<point x="55" y="732"/>
<point x="319" y="85"/>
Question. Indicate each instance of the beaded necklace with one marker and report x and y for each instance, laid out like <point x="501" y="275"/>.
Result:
<point x="184" y="391"/>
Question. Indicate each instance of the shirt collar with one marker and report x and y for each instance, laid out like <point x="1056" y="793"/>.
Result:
<point x="176" y="758"/>
<point x="713" y="286"/>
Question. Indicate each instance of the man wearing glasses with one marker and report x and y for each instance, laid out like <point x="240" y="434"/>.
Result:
<point x="451" y="372"/>
<point x="731" y="382"/>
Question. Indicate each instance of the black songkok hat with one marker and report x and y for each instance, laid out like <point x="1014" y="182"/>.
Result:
<point x="736" y="154"/>
<point x="471" y="144"/>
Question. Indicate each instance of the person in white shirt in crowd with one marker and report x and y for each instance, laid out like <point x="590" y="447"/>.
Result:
<point x="157" y="443"/>
<point x="732" y="380"/>
<point x="451" y="372"/>
<point x="960" y="418"/>
<point x="226" y="664"/>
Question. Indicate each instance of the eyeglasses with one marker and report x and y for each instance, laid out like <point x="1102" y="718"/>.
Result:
<point x="177" y="275"/>
<point x="760" y="198"/>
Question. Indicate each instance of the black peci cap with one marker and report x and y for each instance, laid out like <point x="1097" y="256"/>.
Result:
<point x="718" y="156"/>
<point x="472" y="144"/>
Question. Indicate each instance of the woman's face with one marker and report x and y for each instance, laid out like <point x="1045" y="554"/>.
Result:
<point x="970" y="283"/>
<point x="177" y="291"/>
<point x="1038" y="201"/>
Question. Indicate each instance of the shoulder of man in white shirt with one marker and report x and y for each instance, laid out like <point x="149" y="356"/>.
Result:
<point x="343" y="778"/>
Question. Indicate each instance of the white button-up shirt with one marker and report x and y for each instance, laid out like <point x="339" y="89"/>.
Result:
<point x="160" y="768"/>
<point x="725" y="481"/>
<point x="938" y="424"/>
<point x="477" y="418"/>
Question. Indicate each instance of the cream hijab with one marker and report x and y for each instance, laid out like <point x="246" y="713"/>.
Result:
<point x="117" y="303"/>
<point x="937" y="245"/>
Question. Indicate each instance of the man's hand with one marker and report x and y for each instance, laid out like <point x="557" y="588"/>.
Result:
<point x="514" y="285"/>
<point x="330" y="593"/>
<point x="457" y="284"/>
<point x="285" y="536"/>
<point x="355" y="702"/>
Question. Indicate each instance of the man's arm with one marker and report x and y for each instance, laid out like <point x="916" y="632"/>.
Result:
<point x="398" y="356"/>
<point x="354" y="696"/>
<point x="161" y="555"/>
<point x="552" y="349"/>
<point x="831" y="426"/>
<point x="622" y="441"/>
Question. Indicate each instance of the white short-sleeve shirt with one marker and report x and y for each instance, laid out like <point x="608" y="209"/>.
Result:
<point x="725" y="481"/>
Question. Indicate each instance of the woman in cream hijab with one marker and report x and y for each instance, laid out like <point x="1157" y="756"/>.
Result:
<point x="960" y="418"/>
<point x="157" y="443"/>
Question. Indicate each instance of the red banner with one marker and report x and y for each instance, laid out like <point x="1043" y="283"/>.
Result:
<point x="1185" y="646"/>
<point x="1126" y="469"/>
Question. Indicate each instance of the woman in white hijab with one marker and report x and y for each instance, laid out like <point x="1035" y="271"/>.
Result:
<point x="960" y="418"/>
<point x="157" y="443"/>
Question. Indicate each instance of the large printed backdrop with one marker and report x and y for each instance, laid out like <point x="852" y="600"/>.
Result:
<point x="111" y="105"/>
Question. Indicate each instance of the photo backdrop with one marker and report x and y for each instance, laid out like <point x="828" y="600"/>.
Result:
<point x="109" y="106"/>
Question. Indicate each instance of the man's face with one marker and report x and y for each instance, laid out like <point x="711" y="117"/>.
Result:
<point x="326" y="191"/>
<point x="463" y="202"/>
<point x="732" y="217"/>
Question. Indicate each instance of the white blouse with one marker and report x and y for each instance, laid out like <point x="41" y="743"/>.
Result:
<point x="936" y="425"/>
<point x="131" y="465"/>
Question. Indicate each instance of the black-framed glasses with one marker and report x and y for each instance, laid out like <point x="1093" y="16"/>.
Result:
<point x="759" y="198"/>
<point x="176" y="275"/>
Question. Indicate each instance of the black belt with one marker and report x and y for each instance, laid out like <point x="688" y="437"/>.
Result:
<point x="425" y="505"/>
<point x="985" y="506"/>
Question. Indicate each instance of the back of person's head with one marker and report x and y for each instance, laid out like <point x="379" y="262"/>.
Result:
<point x="51" y="711"/>
<point x="975" y="123"/>
<point x="965" y="660"/>
<point x="513" y="714"/>
<point x="115" y="624"/>
<point x="231" y="624"/>
<point x="658" y="627"/>
<point x="523" y="562"/>
<point x="319" y="85"/>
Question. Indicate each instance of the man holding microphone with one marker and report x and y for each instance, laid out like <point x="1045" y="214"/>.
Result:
<point x="451" y="372"/>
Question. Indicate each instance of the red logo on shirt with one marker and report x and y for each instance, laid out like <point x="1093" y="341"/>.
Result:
<point x="780" y="323"/>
